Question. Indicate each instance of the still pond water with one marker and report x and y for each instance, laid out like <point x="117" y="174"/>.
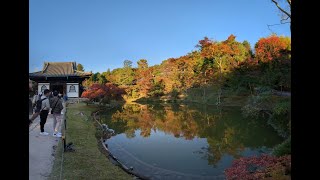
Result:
<point x="174" y="141"/>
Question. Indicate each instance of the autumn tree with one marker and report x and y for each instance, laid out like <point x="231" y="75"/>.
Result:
<point x="204" y="68"/>
<point x="103" y="92"/>
<point x="178" y="73"/>
<point x="272" y="47"/>
<point x="157" y="89"/>
<point x="274" y="56"/>
<point x="87" y="83"/>
<point x="80" y="67"/>
<point x="94" y="77"/>
<point x="127" y="64"/>
<point x="142" y="64"/>
<point x="122" y="76"/>
<point x="221" y="57"/>
<point x="107" y="75"/>
<point x="212" y="65"/>
<point x="144" y="79"/>
<point x="101" y="79"/>
<point x="247" y="45"/>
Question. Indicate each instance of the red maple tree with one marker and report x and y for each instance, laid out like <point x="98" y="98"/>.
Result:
<point x="98" y="91"/>
<point x="271" y="48"/>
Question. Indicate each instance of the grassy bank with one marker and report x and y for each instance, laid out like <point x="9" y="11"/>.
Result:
<point x="88" y="161"/>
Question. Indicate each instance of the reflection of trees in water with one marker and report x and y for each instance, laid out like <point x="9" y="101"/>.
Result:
<point x="226" y="131"/>
<point x="222" y="136"/>
<point x="229" y="143"/>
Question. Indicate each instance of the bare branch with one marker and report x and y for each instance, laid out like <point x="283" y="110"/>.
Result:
<point x="275" y="25"/>
<point x="269" y="28"/>
<point x="284" y="20"/>
<point x="282" y="10"/>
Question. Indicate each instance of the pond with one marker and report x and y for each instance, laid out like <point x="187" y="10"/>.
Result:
<point x="179" y="141"/>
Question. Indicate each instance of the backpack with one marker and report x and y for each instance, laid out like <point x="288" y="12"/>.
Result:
<point x="39" y="104"/>
<point x="35" y="99"/>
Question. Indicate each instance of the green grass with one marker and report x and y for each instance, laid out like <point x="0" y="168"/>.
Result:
<point x="88" y="161"/>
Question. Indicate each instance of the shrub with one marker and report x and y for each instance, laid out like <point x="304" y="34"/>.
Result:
<point x="263" y="167"/>
<point x="283" y="149"/>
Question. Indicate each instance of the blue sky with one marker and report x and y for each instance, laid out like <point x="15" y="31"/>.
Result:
<point x="101" y="34"/>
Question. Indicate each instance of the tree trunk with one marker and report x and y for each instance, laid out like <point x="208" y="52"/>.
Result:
<point x="220" y="85"/>
<point x="205" y="84"/>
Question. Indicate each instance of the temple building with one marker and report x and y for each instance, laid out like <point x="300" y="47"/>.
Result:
<point x="61" y="76"/>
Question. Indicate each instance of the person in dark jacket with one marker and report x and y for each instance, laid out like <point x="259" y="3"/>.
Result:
<point x="56" y="105"/>
<point x="65" y="97"/>
<point x="45" y="107"/>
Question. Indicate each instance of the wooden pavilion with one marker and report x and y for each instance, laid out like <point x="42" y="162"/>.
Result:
<point x="61" y="76"/>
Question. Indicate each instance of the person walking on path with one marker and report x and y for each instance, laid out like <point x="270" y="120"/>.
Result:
<point x="45" y="107"/>
<point x="56" y="104"/>
<point x="37" y="111"/>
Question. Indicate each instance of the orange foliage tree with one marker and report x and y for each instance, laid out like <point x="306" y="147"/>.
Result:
<point x="103" y="91"/>
<point x="224" y="55"/>
<point x="271" y="48"/>
<point x="143" y="77"/>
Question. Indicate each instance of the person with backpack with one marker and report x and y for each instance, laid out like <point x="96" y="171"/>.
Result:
<point x="34" y="99"/>
<point x="56" y="104"/>
<point x="37" y="106"/>
<point x="44" y="111"/>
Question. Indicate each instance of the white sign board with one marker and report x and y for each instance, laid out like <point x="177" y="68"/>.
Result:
<point x="73" y="90"/>
<point x="42" y="87"/>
